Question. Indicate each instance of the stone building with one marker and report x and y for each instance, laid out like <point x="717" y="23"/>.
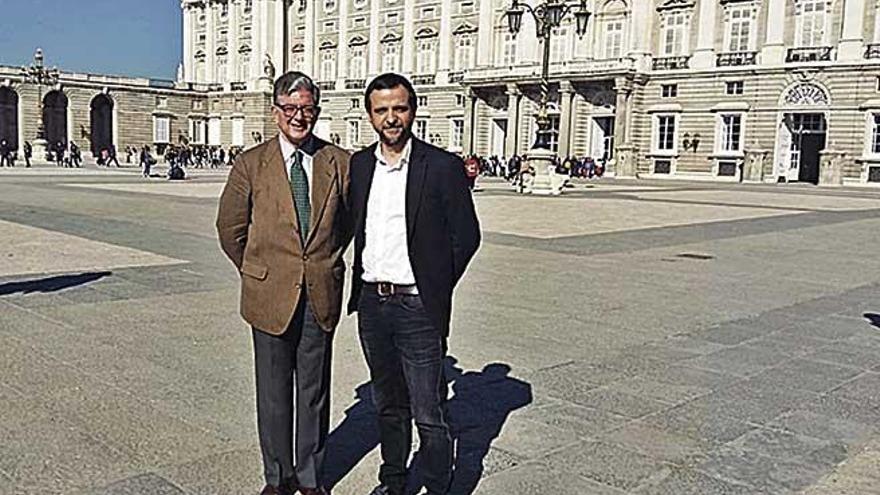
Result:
<point x="766" y="90"/>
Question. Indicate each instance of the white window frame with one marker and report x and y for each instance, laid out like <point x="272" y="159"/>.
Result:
<point x="722" y="134"/>
<point x="359" y="3"/>
<point x="421" y="129"/>
<point x="456" y="134"/>
<point x="162" y="129"/>
<point x="507" y="49"/>
<point x="426" y="58"/>
<point x="391" y="56"/>
<point x="674" y="39"/>
<point x="805" y="10"/>
<point x="739" y="16"/>
<point x="238" y="131"/>
<point x="328" y="64"/>
<point x="354" y="133"/>
<point x="655" y="134"/>
<point x="198" y="130"/>
<point x="330" y="5"/>
<point x="560" y="43"/>
<point x="872" y="134"/>
<point x="614" y="42"/>
<point x="215" y="131"/>
<point x="357" y="62"/>
<point x="464" y="51"/>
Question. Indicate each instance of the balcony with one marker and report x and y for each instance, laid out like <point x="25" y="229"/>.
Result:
<point x="670" y="63"/>
<point x="424" y="80"/>
<point x="238" y="86"/>
<point x="355" y="83"/>
<point x="873" y="50"/>
<point x="327" y="85"/>
<point x="811" y="54"/>
<point x="736" y="59"/>
<point x="456" y="77"/>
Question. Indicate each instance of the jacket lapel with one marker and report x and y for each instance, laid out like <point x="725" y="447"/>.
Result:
<point x="277" y="184"/>
<point x="323" y="176"/>
<point x="415" y="182"/>
<point x="362" y="182"/>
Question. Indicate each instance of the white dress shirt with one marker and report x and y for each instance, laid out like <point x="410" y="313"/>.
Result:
<point x="287" y="151"/>
<point x="386" y="255"/>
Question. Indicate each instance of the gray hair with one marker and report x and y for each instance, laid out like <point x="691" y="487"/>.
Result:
<point x="293" y="81"/>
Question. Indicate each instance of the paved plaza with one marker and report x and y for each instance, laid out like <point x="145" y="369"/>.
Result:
<point x="629" y="337"/>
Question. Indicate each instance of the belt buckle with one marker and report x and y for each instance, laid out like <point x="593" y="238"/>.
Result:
<point x="385" y="289"/>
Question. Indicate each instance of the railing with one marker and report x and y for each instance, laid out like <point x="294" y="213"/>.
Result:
<point x="811" y="54"/>
<point x="425" y="79"/>
<point x="327" y="85"/>
<point x="873" y="50"/>
<point x="733" y="59"/>
<point x="238" y="86"/>
<point x="214" y="87"/>
<point x="670" y="63"/>
<point x="457" y="76"/>
<point x="355" y="83"/>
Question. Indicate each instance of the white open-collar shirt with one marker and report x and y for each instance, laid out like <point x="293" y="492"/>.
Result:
<point x="386" y="256"/>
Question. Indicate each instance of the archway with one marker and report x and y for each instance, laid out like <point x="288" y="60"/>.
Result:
<point x="55" y="118"/>
<point x="101" y="115"/>
<point x="801" y="132"/>
<point x="9" y="117"/>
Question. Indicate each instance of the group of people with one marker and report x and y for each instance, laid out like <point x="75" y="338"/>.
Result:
<point x="511" y="168"/>
<point x="8" y="154"/>
<point x="289" y="209"/>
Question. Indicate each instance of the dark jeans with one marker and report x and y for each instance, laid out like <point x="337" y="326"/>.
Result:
<point x="405" y="351"/>
<point x="293" y="400"/>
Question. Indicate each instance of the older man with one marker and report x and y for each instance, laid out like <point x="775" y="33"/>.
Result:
<point x="284" y="223"/>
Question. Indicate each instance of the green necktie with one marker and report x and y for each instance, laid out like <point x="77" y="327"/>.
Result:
<point x="299" y="188"/>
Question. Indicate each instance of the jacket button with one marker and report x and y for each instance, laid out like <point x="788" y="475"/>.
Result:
<point x="298" y="285"/>
<point x="305" y="257"/>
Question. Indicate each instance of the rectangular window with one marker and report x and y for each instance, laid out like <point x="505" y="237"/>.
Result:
<point x="161" y="102"/>
<point x="508" y="50"/>
<point x="238" y="132"/>
<point x="613" y="39"/>
<point x="465" y="7"/>
<point x="329" y="26"/>
<point x="355" y="103"/>
<point x="557" y="44"/>
<point x="427" y="13"/>
<point x="666" y="133"/>
<point x="214" y="131"/>
<point x="354" y="133"/>
<point x="422" y="129"/>
<point x="392" y="18"/>
<point x="731" y="133"/>
<point x="422" y="101"/>
<point x="875" y="134"/>
<point x="812" y="23"/>
<point x="460" y="100"/>
<point x="161" y="129"/>
<point x="669" y="90"/>
<point x="359" y="22"/>
<point x="733" y="88"/>
<point x="457" y="141"/>
<point x="197" y="131"/>
<point x="739" y="29"/>
<point x="674" y="35"/>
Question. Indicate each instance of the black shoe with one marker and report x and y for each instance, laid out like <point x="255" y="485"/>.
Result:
<point x="384" y="490"/>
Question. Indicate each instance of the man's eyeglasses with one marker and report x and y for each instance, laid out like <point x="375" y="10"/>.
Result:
<point x="290" y="111"/>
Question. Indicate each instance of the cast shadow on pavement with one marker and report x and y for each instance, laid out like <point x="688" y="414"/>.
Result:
<point x="478" y="409"/>
<point x="873" y="319"/>
<point x="51" y="284"/>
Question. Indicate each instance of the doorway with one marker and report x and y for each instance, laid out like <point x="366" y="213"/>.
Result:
<point x="499" y="137"/>
<point x="101" y="116"/>
<point x="55" y="118"/>
<point x="807" y="141"/>
<point x="9" y="117"/>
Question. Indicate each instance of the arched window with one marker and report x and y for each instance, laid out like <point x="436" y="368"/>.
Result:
<point x="357" y="60"/>
<point x="328" y="62"/>
<point x="613" y="21"/>
<point x="465" y="42"/>
<point x="244" y="63"/>
<point x="390" y="53"/>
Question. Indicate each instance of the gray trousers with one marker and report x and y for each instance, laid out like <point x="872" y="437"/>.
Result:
<point x="293" y="400"/>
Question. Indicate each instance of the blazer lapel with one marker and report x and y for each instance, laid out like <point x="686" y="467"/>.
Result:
<point x="277" y="183"/>
<point x="323" y="176"/>
<point x="362" y="182"/>
<point x="415" y="182"/>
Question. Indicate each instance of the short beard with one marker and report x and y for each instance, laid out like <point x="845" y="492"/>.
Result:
<point x="405" y="133"/>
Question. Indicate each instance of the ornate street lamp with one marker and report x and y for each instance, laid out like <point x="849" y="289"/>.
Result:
<point x="40" y="75"/>
<point x="548" y="15"/>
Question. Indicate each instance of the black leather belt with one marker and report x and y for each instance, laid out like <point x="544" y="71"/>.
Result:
<point x="386" y="289"/>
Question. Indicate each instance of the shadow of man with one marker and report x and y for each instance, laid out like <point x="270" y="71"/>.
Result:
<point x="480" y="405"/>
<point x="873" y="319"/>
<point x="51" y="284"/>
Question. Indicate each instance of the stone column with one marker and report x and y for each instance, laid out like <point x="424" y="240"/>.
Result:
<point x="310" y="45"/>
<point x="566" y="97"/>
<point x="408" y="37"/>
<point x="625" y="155"/>
<point x="514" y="105"/>
<point x="640" y="44"/>
<point x="470" y="122"/>
<point x="773" y="52"/>
<point x="374" y="49"/>
<point x="704" y="54"/>
<point x="188" y="61"/>
<point x="232" y="43"/>
<point x="852" y="42"/>
<point x="831" y="167"/>
<point x="210" y="43"/>
<point x="445" y="41"/>
<point x="342" y="48"/>
<point x="256" y="40"/>
<point x="485" y="34"/>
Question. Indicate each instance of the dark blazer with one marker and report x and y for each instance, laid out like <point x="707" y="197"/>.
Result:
<point x="441" y="225"/>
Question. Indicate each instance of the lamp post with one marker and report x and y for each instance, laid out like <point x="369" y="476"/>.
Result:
<point x="40" y="75"/>
<point x="548" y="15"/>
